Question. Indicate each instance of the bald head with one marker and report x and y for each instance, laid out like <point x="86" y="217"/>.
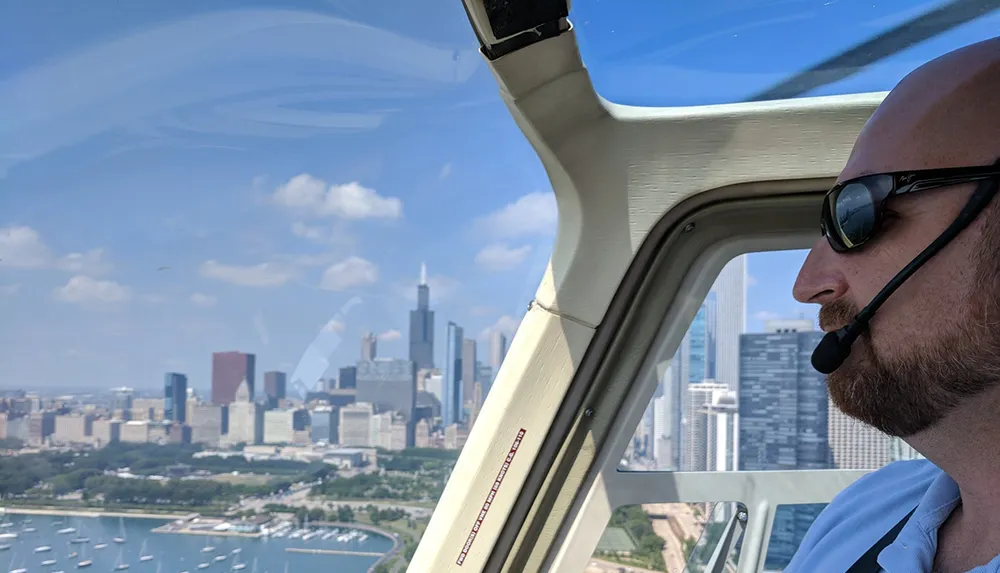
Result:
<point x="943" y="114"/>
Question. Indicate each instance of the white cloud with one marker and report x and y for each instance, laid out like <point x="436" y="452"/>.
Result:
<point x="262" y="275"/>
<point x="92" y="262"/>
<point x="506" y="324"/>
<point x="84" y="289"/>
<point x="334" y="325"/>
<point x="9" y="290"/>
<point x="533" y="214"/>
<point x="500" y="257"/>
<point x="349" y="273"/>
<point x="347" y="201"/>
<point x="23" y="247"/>
<point x="445" y="171"/>
<point x="390" y="335"/>
<point x="205" y="300"/>
<point x="764" y="315"/>
<point x="300" y="229"/>
<point x="335" y="234"/>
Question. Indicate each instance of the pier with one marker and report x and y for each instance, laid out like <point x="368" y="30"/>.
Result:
<point x="333" y="552"/>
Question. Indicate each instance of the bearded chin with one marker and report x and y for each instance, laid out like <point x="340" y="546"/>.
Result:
<point x="912" y="391"/>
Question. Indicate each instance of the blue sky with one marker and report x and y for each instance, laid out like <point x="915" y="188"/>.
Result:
<point x="178" y="179"/>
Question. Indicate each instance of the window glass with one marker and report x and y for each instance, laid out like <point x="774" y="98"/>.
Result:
<point x="260" y="262"/>
<point x="740" y="394"/>
<point x="725" y="51"/>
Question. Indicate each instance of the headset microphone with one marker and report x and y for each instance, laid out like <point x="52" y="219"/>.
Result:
<point x="835" y="347"/>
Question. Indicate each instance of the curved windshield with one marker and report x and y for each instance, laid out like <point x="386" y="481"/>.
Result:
<point x="699" y="53"/>
<point x="259" y="261"/>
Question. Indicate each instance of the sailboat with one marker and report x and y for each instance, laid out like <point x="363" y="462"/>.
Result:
<point x="207" y="548"/>
<point x="237" y="566"/>
<point x="142" y="553"/>
<point x="121" y="531"/>
<point x="83" y="562"/>
<point x="48" y="562"/>
<point x="120" y="564"/>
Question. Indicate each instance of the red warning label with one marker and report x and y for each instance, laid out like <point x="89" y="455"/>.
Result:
<point x="490" y="496"/>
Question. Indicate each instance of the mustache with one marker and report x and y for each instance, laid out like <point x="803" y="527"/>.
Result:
<point x="837" y="314"/>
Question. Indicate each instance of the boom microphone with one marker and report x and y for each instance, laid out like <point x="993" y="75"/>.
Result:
<point x="835" y="347"/>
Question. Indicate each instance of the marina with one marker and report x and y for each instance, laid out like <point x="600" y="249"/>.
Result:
<point x="61" y="544"/>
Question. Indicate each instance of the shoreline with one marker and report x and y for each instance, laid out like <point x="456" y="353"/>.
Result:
<point x="80" y="512"/>
<point x="210" y="532"/>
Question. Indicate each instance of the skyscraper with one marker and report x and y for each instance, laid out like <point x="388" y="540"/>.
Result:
<point x="422" y="326"/>
<point x="275" y="387"/>
<point x="498" y="350"/>
<point x="783" y="408"/>
<point x="229" y="370"/>
<point x="451" y="406"/>
<point x="348" y="377"/>
<point x="731" y="320"/>
<point x="700" y="336"/>
<point x="390" y="384"/>
<point x="175" y="397"/>
<point x="369" y="346"/>
<point x="469" y="373"/>
<point x="854" y="445"/>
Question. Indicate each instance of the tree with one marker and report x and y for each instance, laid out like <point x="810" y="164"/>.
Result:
<point x="345" y="514"/>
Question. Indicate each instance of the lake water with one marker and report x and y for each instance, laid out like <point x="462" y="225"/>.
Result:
<point x="172" y="552"/>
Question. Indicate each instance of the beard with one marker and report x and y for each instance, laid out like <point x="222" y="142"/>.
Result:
<point x="915" y="387"/>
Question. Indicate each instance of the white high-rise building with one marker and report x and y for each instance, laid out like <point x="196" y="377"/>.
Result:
<point x="246" y="419"/>
<point x="697" y="454"/>
<point x="854" y="445"/>
<point x="498" y="349"/>
<point x="661" y="441"/>
<point x="731" y="320"/>
<point x="900" y="450"/>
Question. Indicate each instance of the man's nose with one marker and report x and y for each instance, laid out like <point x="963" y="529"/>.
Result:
<point x="820" y="280"/>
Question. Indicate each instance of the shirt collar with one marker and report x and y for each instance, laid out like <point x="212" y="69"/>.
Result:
<point x="915" y="547"/>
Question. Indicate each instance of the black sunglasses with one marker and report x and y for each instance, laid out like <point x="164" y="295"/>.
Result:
<point x="853" y="210"/>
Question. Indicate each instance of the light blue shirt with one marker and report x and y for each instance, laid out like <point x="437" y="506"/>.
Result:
<point x="867" y="509"/>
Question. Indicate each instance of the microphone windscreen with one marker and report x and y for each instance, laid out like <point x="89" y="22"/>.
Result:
<point x="830" y="353"/>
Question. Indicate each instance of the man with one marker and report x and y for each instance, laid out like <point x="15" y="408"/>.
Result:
<point x="927" y="367"/>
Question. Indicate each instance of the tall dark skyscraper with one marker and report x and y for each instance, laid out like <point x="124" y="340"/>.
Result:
<point x="348" y="377"/>
<point x="451" y="406"/>
<point x="274" y="387"/>
<point x="175" y="397"/>
<point x="422" y="326"/>
<point x="783" y="421"/>
<point x="229" y="370"/>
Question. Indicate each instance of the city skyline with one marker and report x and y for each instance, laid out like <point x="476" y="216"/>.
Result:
<point x="766" y="300"/>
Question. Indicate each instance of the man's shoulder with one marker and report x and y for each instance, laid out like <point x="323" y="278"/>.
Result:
<point x="891" y="484"/>
<point x="861" y="514"/>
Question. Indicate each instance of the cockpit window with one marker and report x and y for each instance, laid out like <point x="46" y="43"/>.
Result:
<point x="691" y="53"/>
<point x="739" y="394"/>
<point x="259" y="261"/>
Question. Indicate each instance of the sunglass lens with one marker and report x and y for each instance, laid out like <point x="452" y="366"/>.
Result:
<point x="854" y="214"/>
